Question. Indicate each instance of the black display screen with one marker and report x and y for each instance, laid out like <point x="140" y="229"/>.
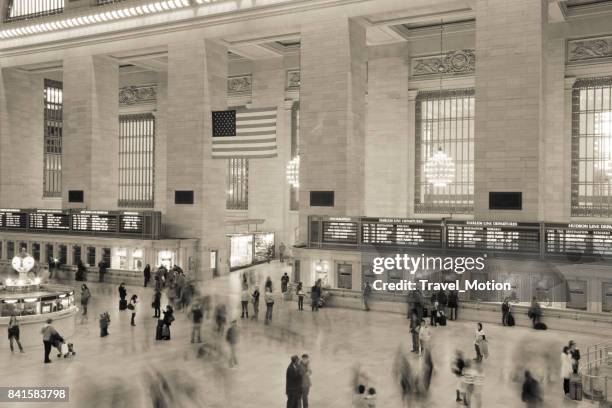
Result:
<point x="401" y="232"/>
<point x="131" y="223"/>
<point x="493" y="236"/>
<point x="340" y="232"/>
<point x="53" y="220"/>
<point x="13" y="219"/>
<point x="94" y="221"/>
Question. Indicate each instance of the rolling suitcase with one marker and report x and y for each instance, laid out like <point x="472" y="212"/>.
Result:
<point x="510" y="320"/>
<point x="122" y="304"/>
<point x="576" y="388"/>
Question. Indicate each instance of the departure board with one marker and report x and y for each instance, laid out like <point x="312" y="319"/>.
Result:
<point x="339" y="231"/>
<point x="401" y="232"/>
<point x="12" y="219"/>
<point x="94" y="221"/>
<point x="53" y="220"/>
<point x="579" y="239"/>
<point x="131" y="222"/>
<point x="493" y="236"/>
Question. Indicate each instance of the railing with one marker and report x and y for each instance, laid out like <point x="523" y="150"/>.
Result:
<point x="18" y="10"/>
<point x="597" y="383"/>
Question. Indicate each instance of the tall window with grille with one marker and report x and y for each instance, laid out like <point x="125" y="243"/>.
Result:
<point x="445" y="120"/>
<point x="136" y="160"/>
<point x="52" y="166"/>
<point x="592" y="147"/>
<point x="237" y="197"/>
<point x="26" y="9"/>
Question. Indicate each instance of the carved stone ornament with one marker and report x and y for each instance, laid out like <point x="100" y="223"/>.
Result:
<point x="293" y="79"/>
<point x="589" y="49"/>
<point x="134" y="95"/>
<point x="458" y="62"/>
<point x="239" y="85"/>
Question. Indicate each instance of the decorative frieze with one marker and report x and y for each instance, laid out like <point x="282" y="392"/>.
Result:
<point x="457" y="62"/>
<point x="589" y="49"/>
<point x="136" y="95"/>
<point x="293" y="79"/>
<point x="240" y="85"/>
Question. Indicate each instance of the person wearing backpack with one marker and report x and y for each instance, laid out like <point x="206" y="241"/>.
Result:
<point x="132" y="307"/>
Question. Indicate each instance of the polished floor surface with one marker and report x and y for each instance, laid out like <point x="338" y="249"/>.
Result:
<point x="129" y="367"/>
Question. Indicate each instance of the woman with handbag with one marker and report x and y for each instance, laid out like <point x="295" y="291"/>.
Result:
<point x="480" y="343"/>
<point x="13" y="333"/>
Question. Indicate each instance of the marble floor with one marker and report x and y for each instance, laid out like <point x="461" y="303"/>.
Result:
<point x="127" y="367"/>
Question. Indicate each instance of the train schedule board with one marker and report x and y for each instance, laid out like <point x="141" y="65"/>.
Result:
<point x="579" y="239"/>
<point x="495" y="236"/>
<point x="401" y="232"/>
<point x="340" y="231"/>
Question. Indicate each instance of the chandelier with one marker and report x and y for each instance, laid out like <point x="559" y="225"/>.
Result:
<point x="293" y="172"/>
<point x="440" y="169"/>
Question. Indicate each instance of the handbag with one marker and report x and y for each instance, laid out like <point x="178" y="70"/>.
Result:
<point x="484" y="348"/>
<point x="131" y="306"/>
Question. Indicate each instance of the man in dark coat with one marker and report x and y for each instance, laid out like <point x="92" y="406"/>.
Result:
<point x="102" y="269"/>
<point x="531" y="391"/>
<point x="294" y="383"/>
<point x="147" y="274"/>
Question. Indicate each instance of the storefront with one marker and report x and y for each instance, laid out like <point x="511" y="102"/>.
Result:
<point x="246" y="249"/>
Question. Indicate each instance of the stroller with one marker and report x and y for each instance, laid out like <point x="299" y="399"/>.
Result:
<point x="65" y="349"/>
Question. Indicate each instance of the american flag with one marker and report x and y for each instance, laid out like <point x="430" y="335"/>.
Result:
<point x="242" y="132"/>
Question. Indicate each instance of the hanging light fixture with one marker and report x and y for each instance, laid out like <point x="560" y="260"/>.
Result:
<point x="439" y="167"/>
<point x="293" y="172"/>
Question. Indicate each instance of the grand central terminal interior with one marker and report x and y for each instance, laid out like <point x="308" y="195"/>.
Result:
<point x="171" y="168"/>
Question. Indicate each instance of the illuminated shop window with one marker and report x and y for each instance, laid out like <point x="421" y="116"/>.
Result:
<point x="592" y="148"/>
<point x="237" y="196"/>
<point x="136" y="155"/>
<point x="445" y="120"/>
<point x="53" y="126"/>
<point x="26" y="9"/>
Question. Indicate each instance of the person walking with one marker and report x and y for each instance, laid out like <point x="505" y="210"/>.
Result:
<point x="156" y="304"/>
<point x="367" y="290"/>
<point x="220" y="318"/>
<point x="85" y="297"/>
<point x="442" y="302"/>
<point x="13" y="333"/>
<point x="268" y="284"/>
<point x="167" y="322"/>
<point x="414" y="331"/>
<point x="575" y="354"/>
<point x="424" y="336"/>
<point x="147" y="274"/>
<point x="281" y="252"/>
<point x="566" y="370"/>
<point x="505" y="308"/>
<point x="305" y="372"/>
<point x="49" y="334"/>
<point x="104" y="323"/>
<point x="453" y="304"/>
<point x="293" y="387"/>
<point x="132" y="306"/>
<point x="284" y="282"/>
<point x="269" y="304"/>
<point x="300" y="294"/>
<point x="530" y="394"/>
<point x="196" y="319"/>
<point x="81" y="272"/>
<point x="535" y="312"/>
<point x="315" y="295"/>
<point x="433" y="319"/>
<point x="255" y="300"/>
<point x="244" y="300"/>
<point x="232" y="339"/>
<point x="102" y="270"/>
<point x="122" y="295"/>
<point x="479" y="342"/>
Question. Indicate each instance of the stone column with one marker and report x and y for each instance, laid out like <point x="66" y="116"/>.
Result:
<point x="197" y="80"/>
<point x="21" y="139"/>
<point x="91" y="131"/>
<point x="509" y="99"/>
<point x="332" y="117"/>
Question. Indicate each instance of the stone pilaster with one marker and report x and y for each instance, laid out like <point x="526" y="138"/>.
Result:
<point x="332" y="117"/>
<point x="91" y="131"/>
<point x="197" y="80"/>
<point x="509" y="99"/>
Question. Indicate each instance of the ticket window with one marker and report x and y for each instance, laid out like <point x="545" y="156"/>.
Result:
<point x="36" y="251"/>
<point x="345" y="276"/>
<point x="606" y="297"/>
<point x="91" y="256"/>
<point x="321" y="269"/>
<point x="577" y="295"/>
<point x="76" y="254"/>
<point x="165" y="258"/>
<point x="10" y="249"/>
<point x="137" y="259"/>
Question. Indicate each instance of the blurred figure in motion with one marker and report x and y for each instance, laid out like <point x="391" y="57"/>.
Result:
<point x="147" y="274"/>
<point x="414" y="331"/>
<point x="232" y="339"/>
<point x="371" y="398"/>
<point x="284" y="282"/>
<point x="255" y="300"/>
<point x="305" y="371"/>
<point x="156" y="304"/>
<point x="367" y="290"/>
<point x="104" y="323"/>
<point x="268" y="284"/>
<point x="480" y="342"/>
<point x="244" y="300"/>
<point x="359" y="397"/>
<point x="85" y="296"/>
<point x="402" y="372"/>
<point x="459" y="364"/>
<point x="220" y="318"/>
<point x="473" y="378"/>
<point x="173" y="390"/>
<point x="167" y="322"/>
<point x="293" y="387"/>
<point x="575" y="354"/>
<point x="300" y="294"/>
<point x="424" y="336"/>
<point x="531" y="392"/>
<point x="196" y="320"/>
<point x="315" y="295"/>
<point x="566" y="370"/>
<point x="269" y="304"/>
